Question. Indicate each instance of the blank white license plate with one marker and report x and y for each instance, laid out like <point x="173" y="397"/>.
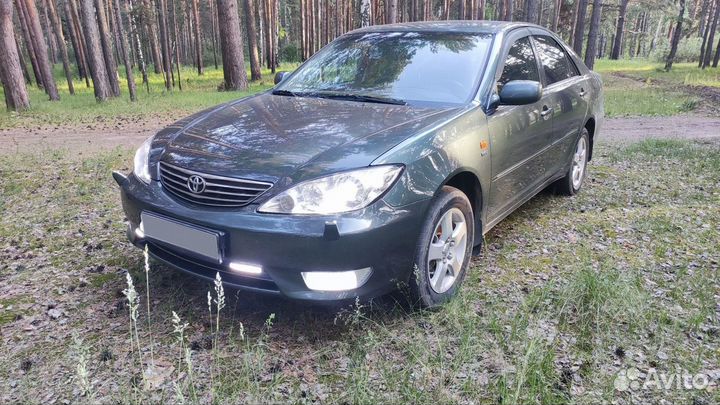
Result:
<point x="185" y="236"/>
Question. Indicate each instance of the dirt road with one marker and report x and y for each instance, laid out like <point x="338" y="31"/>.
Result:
<point x="87" y="139"/>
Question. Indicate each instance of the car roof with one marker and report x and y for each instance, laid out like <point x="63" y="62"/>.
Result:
<point x="465" y="26"/>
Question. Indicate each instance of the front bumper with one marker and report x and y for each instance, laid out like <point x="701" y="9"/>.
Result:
<point x="380" y="237"/>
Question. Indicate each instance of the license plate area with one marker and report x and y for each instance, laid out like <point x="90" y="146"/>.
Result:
<point x="190" y="238"/>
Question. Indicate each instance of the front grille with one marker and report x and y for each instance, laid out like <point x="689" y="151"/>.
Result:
<point x="218" y="191"/>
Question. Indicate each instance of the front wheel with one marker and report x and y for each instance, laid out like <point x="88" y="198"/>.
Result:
<point x="572" y="182"/>
<point x="444" y="249"/>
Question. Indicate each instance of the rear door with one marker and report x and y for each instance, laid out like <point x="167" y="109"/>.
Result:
<point x="518" y="134"/>
<point x="566" y="91"/>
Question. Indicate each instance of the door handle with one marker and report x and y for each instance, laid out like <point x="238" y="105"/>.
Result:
<point x="546" y="112"/>
<point x="582" y="92"/>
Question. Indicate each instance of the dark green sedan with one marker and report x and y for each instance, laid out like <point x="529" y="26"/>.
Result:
<point x="378" y="164"/>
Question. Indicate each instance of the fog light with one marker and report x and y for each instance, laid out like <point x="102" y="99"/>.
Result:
<point x="245" y="268"/>
<point x="336" y="280"/>
<point x="140" y="232"/>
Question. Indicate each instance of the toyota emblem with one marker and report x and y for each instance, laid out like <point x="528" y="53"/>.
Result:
<point x="196" y="184"/>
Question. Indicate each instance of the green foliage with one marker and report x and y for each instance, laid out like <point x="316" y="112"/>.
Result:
<point x="688" y="50"/>
<point x="290" y="52"/>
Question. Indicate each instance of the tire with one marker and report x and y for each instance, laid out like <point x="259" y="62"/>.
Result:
<point x="571" y="183"/>
<point x="438" y="273"/>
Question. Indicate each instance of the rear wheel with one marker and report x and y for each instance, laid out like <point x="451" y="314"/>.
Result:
<point x="444" y="249"/>
<point x="572" y="182"/>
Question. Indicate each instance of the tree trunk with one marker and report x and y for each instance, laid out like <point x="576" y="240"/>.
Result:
<point x="213" y="32"/>
<point x="79" y="62"/>
<point x="61" y="43"/>
<point x="557" y="5"/>
<point x="23" y="66"/>
<point x="276" y="34"/>
<point x="176" y="42"/>
<point x="124" y="50"/>
<point x="49" y="33"/>
<point x="704" y="32"/>
<point x="392" y="11"/>
<point x="135" y="38"/>
<point x="675" y="38"/>
<point x="619" y="31"/>
<point x="531" y="11"/>
<point x="716" y="59"/>
<point x="27" y="37"/>
<point x="510" y="10"/>
<point x="165" y="44"/>
<point x="303" y="32"/>
<point x="365" y="13"/>
<point x="591" y="49"/>
<point x="41" y="50"/>
<point x="231" y="45"/>
<point x="705" y="59"/>
<point x="654" y="41"/>
<point x="198" y="37"/>
<point x="98" y="71"/>
<point x="75" y="26"/>
<point x="11" y="74"/>
<point x="580" y="26"/>
<point x="107" y="48"/>
<point x="702" y="27"/>
<point x="151" y="27"/>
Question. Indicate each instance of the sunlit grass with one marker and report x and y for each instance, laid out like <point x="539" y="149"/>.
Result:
<point x="681" y="73"/>
<point x="646" y="101"/>
<point x="639" y="88"/>
<point x="198" y="92"/>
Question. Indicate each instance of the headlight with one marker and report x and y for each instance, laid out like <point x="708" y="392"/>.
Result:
<point x="141" y="169"/>
<point x="340" y="192"/>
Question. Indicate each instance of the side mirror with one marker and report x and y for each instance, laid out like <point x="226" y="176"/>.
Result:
<point x="280" y="76"/>
<point x="520" y="92"/>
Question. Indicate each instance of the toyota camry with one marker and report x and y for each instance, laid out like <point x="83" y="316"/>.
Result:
<point x="378" y="164"/>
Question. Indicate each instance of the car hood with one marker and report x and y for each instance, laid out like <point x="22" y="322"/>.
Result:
<point x="268" y="137"/>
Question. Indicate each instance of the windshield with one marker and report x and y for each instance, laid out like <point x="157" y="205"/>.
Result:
<point x="402" y="67"/>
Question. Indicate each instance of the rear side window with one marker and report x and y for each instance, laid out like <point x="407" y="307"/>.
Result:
<point x="520" y="63"/>
<point x="555" y="61"/>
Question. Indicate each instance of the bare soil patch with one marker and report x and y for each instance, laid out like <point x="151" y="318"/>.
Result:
<point x="632" y="129"/>
<point x="81" y="140"/>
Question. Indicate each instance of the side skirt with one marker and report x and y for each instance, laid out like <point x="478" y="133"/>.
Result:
<point x="490" y="224"/>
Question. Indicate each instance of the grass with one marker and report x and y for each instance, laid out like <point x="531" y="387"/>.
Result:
<point x="199" y="92"/>
<point x="627" y="99"/>
<point x="640" y="88"/>
<point x="681" y="73"/>
<point x="568" y="292"/>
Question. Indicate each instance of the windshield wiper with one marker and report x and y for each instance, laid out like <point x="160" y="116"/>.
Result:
<point x="365" y="98"/>
<point x="284" y="93"/>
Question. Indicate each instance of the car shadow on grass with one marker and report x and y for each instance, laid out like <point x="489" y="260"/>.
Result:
<point x="187" y="295"/>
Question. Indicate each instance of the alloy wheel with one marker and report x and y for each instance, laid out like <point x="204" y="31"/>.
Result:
<point x="446" y="252"/>
<point x="579" y="162"/>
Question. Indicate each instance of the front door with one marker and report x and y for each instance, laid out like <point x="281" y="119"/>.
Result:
<point x="518" y="135"/>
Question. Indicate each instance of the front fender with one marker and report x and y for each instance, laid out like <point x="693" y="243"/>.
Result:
<point x="459" y="144"/>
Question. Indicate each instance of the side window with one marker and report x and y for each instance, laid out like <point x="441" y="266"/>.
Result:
<point x="520" y="63"/>
<point x="555" y="61"/>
